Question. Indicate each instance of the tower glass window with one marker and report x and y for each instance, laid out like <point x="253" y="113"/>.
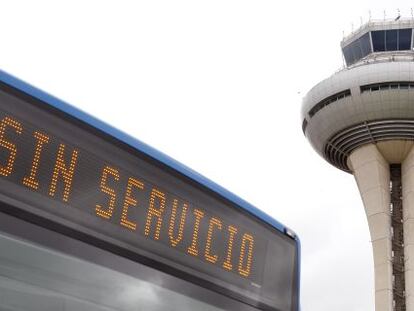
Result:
<point x="365" y="44"/>
<point x="349" y="57"/>
<point x="378" y="40"/>
<point x="357" y="49"/>
<point x="392" y="40"/>
<point x="404" y="42"/>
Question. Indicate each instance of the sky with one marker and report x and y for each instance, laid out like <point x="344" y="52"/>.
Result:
<point x="218" y="86"/>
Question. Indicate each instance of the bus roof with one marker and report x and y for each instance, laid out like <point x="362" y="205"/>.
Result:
<point x="142" y="147"/>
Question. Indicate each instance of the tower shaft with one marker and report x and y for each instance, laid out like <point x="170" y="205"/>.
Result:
<point x="408" y="217"/>
<point x="387" y="191"/>
<point x="372" y="175"/>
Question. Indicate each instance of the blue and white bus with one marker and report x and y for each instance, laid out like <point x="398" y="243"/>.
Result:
<point x="93" y="219"/>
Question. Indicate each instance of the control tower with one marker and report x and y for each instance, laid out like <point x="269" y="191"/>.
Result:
<point x="361" y="120"/>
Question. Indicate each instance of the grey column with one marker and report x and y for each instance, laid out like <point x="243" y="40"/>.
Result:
<point x="372" y="175"/>
<point x="407" y="170"/>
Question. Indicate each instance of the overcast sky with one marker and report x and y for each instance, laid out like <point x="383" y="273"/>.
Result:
<point x="218" y="86"/>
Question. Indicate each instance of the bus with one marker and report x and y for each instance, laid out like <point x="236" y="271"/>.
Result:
<point x="93" y="219"/>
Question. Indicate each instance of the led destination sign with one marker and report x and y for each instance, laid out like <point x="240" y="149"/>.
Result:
<point x="126" y="200"/>
<point x="67" y="170"/>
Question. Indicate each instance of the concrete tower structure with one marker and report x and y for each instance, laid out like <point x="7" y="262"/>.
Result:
<point x="361" y="120"/>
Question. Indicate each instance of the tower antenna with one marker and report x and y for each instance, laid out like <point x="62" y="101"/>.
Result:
<point x="399" y="15"/>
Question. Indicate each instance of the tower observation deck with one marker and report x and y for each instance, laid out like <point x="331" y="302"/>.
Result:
<point x="361" y="120"/>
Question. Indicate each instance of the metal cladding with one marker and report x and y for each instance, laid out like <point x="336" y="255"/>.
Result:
<point x="340" y="146"/>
